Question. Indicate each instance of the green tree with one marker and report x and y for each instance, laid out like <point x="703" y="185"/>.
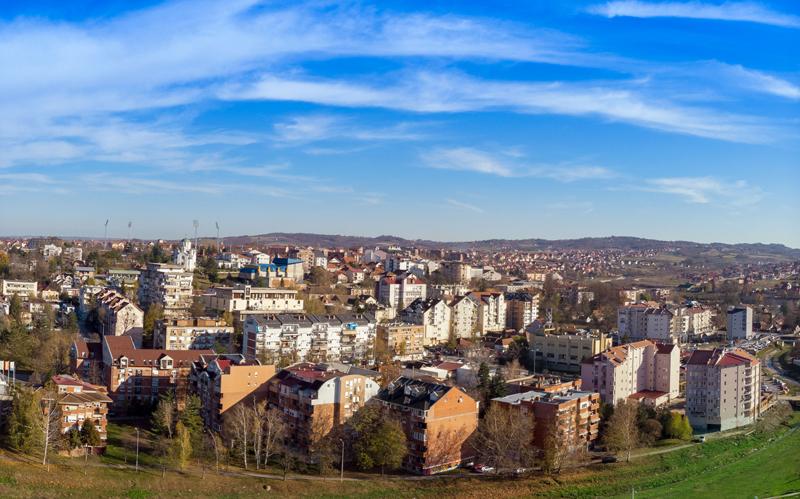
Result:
<point x="74" y="439"/>
<point x="89" y="434"/>
<point x="497" y="387"/>
<point x="191" y="418"/>
<point x="181" y="446"/>
<point x="376" y="440"/>
<point x="319" y="276"/>
<point x="484" y="378"/>
<point x="155" y="312"/>
<point x="21" y="426"/>
<point x="15" y="308"/>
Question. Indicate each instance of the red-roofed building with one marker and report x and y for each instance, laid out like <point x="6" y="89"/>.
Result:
<point x="79" y="402"/>
<point x="625" y="370"/>
<point x="139" y="376"/>
<point x="722" y="388"/>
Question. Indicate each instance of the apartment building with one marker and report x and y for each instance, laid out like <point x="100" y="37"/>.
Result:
<point x="79" y="402"/>
<point x="437" y="419"/>
<point x="572" y="416"/>
<point x="120" y="277"/>
<point x="316" y="398"/>
<point x="167" y="285"/>
<point x="491" y="310"/>
<point x="347" y="337"/>
<point x="119" y="315"/>
<point x="195" y="333"/>
<point x="183" y="255"/>
<point x="464" y="317"/>
<point x="455" y="272"/>
<point x="19" y="288"/>
<point x="86" y="360"/>
<point x="692" y="321"/>
<point x="225" y="380"/>
<point x="521" y="309"/>
<point x="400" y="340"/>
<point x="399" y="291"/>
<point x="248" y="298"/>
<point x="433" y="315"/>
<point x="722" y="389"/>
<point x="564" y="351"/>
<point x="139" y="376"/>
<point x="51" y="251"/>
<point x="72" y="253"/>
<point x="646" y="321"/>
<point x="740" y="323"/>
<point x="644" y="370"/>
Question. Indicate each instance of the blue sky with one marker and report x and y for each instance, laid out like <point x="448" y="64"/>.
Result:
<point x="439" y="120"/>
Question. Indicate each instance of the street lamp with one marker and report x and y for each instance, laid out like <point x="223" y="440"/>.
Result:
<point x="137" y="449"/>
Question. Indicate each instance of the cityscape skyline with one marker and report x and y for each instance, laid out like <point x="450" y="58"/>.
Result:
<point x="450" y="122"/>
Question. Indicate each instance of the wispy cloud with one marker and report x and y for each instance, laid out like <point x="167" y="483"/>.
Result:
<point x="504" y="165"/>
<point x="424" y="92"/>
<point x="705" y="190"/>
<point x="726" y="11"/>
<point x="323" y="127"/>
<point x="465" y="206"/>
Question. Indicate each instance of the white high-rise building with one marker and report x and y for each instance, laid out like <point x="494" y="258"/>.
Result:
<point x="185" y="256"/>
<point x="740" y="323"/>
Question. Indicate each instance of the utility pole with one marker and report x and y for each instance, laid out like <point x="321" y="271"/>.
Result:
<point x="341" y="471"/>
<point x="137" y="449"/>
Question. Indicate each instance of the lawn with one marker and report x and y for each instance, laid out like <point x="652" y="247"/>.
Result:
<point x="764" y="463"/>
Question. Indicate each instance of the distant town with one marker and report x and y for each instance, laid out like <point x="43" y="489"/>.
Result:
<point x="393" y="358"/>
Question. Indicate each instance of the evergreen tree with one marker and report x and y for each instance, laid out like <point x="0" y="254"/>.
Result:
<point x="497" y="386"/>
<point x="21" y="426"/>
<point x="163" y="419"/>
<point x="191" y="418"/>
<point x="483" y="377"/>
<point x="74" y="439"/>
<point x="89" y="434"/>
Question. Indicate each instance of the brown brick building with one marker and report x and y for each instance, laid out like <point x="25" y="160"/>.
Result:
<point x="573" y="416"/>
<point x="78" y="402"/>
<point x="400" y="340"/>
<point x="138" y="376"/>
<point x="222" y="381"/>
<point x="315" y="398"/>
<point x="437" y="419"/>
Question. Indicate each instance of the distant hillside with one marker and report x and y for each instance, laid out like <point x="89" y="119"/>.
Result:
<point x="587" y="243"/>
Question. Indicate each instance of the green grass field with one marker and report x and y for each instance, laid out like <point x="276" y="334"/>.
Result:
<point x="764" y="463"/>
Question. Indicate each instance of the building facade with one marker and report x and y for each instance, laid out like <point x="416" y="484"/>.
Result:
<point x="195" y="333"/>
<point x="722" y="389"/>
<point x="248" y="298"/>
<point x="19" y="288"/>
<point x="649" y="369"/>
<point x="226" y="380"/>
<point x="740" y="323"/>
<point x="183" y="255"/>
<point x="139" y="376"/>
<point x="79" y="402"/>
<point x="438" y="421"/>
<point x="572" y="416"/>
<point x="118" y="314"/>
<point x="521" y="309"/>
<point x="564" y="351"/>
<point x="433" y="315"/>
<point x="399" y="291"/>
<point x="400" y="340"/>
<point x="316" y="398"/>
<point x="167" y="285"/>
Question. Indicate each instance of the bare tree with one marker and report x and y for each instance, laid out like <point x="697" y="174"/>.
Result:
<point x="274" y="433"/>
<point x="216" y="443"/>
<point x="257" y="413"/>
<point x="237" y="426"/>
<point x="505" y="437"/>
<point x="622" y="433"/>
<point x="445" y="447"/>
<point x="49" y="424"/>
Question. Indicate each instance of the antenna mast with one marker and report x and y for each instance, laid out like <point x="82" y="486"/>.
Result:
<point x="196" y="224"/>
<point x="105" y="233"/>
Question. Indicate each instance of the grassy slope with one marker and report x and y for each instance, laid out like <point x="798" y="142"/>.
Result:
<point x="763" y="463"/>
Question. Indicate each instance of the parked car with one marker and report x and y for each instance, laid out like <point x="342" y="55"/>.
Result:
<point x="609" y="459"/>
<point x="482" y="468"/>
<point x="699" y="439"/>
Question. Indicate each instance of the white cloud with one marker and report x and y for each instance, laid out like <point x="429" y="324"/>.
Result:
<point x="466" y="206"/>
<point x="474" y="160"/>
<point x="758" y="81"/>
<point x="425" y="92"/>
<point x="315" y="128"/>
<point x="705" y="190"/>
<point x="726" y="11"/>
